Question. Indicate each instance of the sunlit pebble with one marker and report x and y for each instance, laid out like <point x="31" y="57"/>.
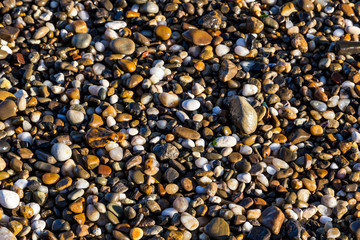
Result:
<point x="338" y="32"/>
<point x="99" y="46"/>
<point x="221" y="50"/>
<point x="111" y="145"/>
<point x="83" y="15"/>
<point x="241" y="51"/>
<point x="348" y="22"/>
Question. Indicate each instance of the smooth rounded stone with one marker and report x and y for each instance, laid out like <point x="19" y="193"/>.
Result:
<point x="35" y="207"/>
<point x="329" y="201"/>
<point x="163" y="32"/>
<point x="241" y="51"/>
<point x="306" y="5"/>
<point x="273" y="218"/>
<point x="6" y="234"/>
<point x="355" y="229"/>
<point x="91" y="213"/>
<point x="116" y="154"/>
<point x="249" y="90"/>
<point x="81" y="40"/>
<point x="287" y="9"/>
<point x="303" y="195"/>
<point x="333" y="233"/>
<point x="124" y="46"/>
<point x="41" y="32"/>
<point x="187" y="133"/>
<point x="9" y="199"/>
<point x="8" y="109"/>
<point x="115" y="25"/>
<point x="138" y="177"/>
<point x="149" y="7"/>
<point x="181" y="204"/>
<point x="189" y="222"/>
<point x="60" y="225"/>
<point x="353" y="30"/>
<point x="217" y="228"/>
<point x="244" y="177"/>
<point x="50" y="178"/>
<point x="75" y="117"/>
<point x="3" y="55"/>
<point x="197" y="37"/>
<point x="243" y="115"/>
<point x="318" y="105"/>
<point x="191" y="105"/>
<point x="221" y="50"/>
<point x="61" y="152"/>
<point x="169" y="100"/>
<point x="281" y="164"/>
<point x="4" y="146"/>
<point x="224" y="142"/>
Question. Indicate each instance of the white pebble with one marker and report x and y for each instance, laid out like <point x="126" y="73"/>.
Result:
<point x="221" y="50"/>
<point x="224" y="142"/>
<point x="241" y="51"/>
<point x="116" y="154"/>
<point x="61" y="152"/>
<point x="249" y="90"/>
<point x="191" y="105"/>
<point x="9" y="199"/>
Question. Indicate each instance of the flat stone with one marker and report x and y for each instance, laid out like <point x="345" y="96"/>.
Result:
<point x="99" y="137"/>
<point x="187" y="133"/>
<point x="9" y="33"/>
<point x="41" y="32"/>
<point x="218" y="229"/>
<point x="124" y="46"/>
<point x="81" y="40"/>
<point x="243" y="115"/>
<point x="197" y="37"/>
<point x="299" y="136"/>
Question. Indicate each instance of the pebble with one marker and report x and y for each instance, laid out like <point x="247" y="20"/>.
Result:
<point x="169" y="100"/>
<point x="224" y="142"/>
<point x="243" y="115"/>
<point x="217" y="228"/>
<point x="9" y="199"/>
<point x="122" y="46"/>
<point x="61" y="152"/>
<point x="189" y="222"/>
<point x="8" y="109"/>
<point x="6" y="234"/>
<point x="81" y="40"/>
<point x="191" y="105"/>
<point x="197" y="37"/>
